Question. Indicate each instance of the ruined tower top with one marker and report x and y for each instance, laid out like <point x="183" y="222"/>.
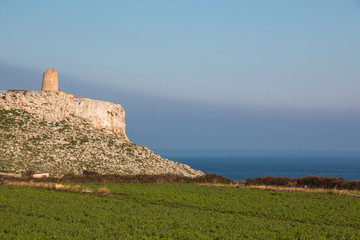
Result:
<point x="50" y="80"/>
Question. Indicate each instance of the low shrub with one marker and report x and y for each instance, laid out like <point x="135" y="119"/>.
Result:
<point x="212" y="178"/>
<point x="140" y="178"/>
<point x="27" y="173"/>
<point x="86" y="172"/>
<point x="271" y="180"/>
<point x="308" y="181"/>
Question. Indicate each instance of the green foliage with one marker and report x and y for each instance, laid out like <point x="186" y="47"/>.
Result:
<point x="8" y="118"/>
<point x="176" y="211"/>
<point x="17" y="91"/>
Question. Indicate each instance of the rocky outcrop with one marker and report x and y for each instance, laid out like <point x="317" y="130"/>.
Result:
<point x="57" y="106"/>
<point x="56" y="133"/>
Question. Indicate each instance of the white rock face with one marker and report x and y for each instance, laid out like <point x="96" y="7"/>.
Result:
<point x="49" y="131"/>
<point x="57" y="106"/>
<point x="101" y="114"/>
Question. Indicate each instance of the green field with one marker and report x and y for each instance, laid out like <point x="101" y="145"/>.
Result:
<point x="176" y="211"/>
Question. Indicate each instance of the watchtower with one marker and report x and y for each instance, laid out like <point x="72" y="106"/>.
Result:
<point x="50" y="80"/>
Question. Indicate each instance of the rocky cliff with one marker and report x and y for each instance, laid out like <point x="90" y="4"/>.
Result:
<point x="58" y="106"/>
<point x="54" y="132"/>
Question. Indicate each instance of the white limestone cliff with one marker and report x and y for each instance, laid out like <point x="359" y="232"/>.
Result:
<point x="51" y="131"/>
<point x="55" y="106"/>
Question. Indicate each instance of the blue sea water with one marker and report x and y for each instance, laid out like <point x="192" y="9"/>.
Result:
<point x="240" y="165"/>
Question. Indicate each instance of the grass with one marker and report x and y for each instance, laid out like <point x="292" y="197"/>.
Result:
<point x="334" y="191"/>
<point x="55" y="186"/>
<point x="175" y="211"/>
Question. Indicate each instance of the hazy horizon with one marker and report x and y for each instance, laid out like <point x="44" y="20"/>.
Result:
<point x="161" y="123"/>
<point x="250" y="75"/>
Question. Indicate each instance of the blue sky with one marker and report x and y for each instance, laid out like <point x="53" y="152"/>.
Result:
<point x="200" y="74"/>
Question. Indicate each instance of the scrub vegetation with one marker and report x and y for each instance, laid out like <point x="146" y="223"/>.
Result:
<point x="305" y="182"/>
<point x="70" y="146"/>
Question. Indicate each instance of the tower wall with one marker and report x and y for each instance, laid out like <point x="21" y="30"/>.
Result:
<point x="50" y="80"/>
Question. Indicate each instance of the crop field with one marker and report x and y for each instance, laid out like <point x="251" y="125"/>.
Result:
<point x="176" y="211"/>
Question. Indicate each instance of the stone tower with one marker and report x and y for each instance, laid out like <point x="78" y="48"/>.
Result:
<point x="50" y="80"/>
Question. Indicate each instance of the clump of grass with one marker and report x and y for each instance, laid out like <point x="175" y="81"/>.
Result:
<point x="49" y="186"/>
<point x="103" y="191"/>
<point x="76" y="188"/>
<point x="334" y="191"/>
<point x="86" y="190"/>
<point x="61" y="187"/>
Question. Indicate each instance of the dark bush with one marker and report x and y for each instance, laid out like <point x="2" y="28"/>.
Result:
<point x="140" y="178"/>
<point x="352" y="185"/>
<point x="271" y="180"/>
<point x="212" y="178"/>
<point x="86" y="172"/>
<point x="308" y="181"/>
<point x="27" y="173"/>
<point x="320" y="182"/>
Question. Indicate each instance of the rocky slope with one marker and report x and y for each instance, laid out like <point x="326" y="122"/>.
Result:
<point x="53" y="132"/>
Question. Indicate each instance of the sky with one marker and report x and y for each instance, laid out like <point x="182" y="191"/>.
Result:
<point x="204" y="74"/>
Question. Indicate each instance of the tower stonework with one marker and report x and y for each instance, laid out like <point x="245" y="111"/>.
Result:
<point x="50" y="80"/>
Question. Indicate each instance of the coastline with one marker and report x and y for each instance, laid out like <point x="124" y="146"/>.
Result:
<point x="243" y="164"/>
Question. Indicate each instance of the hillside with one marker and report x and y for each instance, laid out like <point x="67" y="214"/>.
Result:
<point x="54" y="132"/>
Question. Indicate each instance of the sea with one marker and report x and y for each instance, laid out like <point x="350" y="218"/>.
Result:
<point x="243" y="164"/>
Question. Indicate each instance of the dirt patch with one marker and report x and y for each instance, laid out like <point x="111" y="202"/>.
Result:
<point x="77" y="189"/>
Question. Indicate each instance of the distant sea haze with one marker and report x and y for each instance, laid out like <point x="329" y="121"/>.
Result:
<point x="240" y="165"/>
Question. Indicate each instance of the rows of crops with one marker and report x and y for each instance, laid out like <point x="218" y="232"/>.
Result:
<point x="176" y="211"/>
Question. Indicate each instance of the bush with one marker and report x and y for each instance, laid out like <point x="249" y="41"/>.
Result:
<point x="28" y="173"/>
<point x="320" y="182"/>
<point x="271" y="180"/>
<point x="308" y="181"/>
<point x="141" y="178"/>
<point x="212" y="178"/>
<point x="86" y="172"/>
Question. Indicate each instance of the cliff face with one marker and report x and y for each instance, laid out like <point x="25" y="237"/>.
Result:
<point x="56" y="133"/>
<point x="57" y="106"/>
